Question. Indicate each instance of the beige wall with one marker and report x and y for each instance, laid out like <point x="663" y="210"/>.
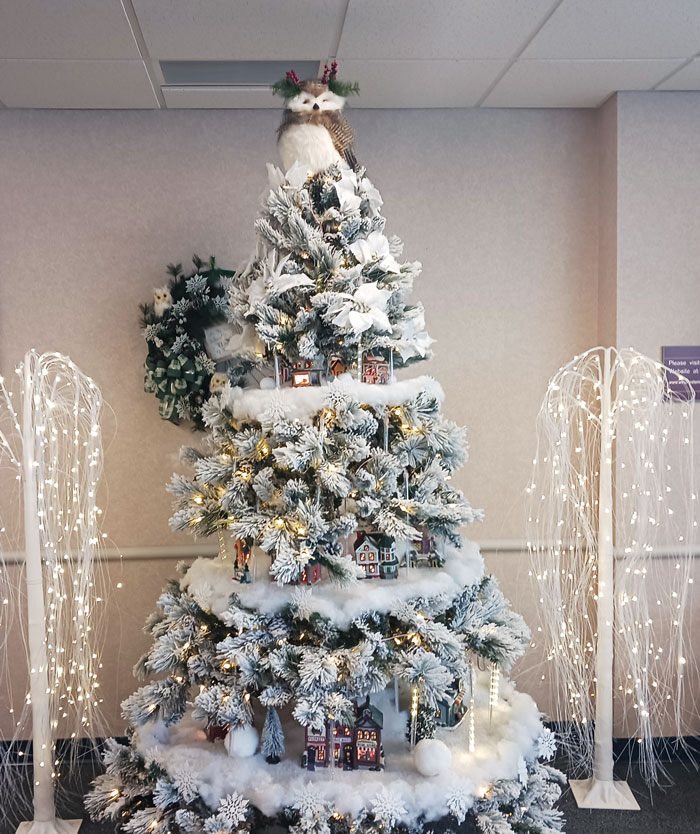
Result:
<point x="509" y="211"/>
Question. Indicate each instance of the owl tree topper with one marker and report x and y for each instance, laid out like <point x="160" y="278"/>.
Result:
<point x="314" y="131"/>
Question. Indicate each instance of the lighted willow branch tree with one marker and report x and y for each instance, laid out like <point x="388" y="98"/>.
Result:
<point x="51" y="461"/>
<point x="612" y="530"/>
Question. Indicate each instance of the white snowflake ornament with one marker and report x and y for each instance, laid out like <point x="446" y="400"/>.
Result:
<point x="310" y="805"/>
<point x="388" y="808"/>
<point x="546" y="744"/>
<point x="301" y="603"/>
<point x="459" y="801"/>
<point x="234" y="808"/>
<point x="184" y="780"/>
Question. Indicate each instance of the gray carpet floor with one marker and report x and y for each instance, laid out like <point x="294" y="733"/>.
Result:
<point x="675" y="810"/>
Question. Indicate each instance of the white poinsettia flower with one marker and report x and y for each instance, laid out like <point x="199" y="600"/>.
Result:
<point x="297" y="175"/>
<point x="375" y="249"/>
<point x="256" y="293"/>
<point x="365" y="309"/>
<point x="245" y="341"/>
<point x="289" y="282"/>
<point x="413" y="339"/>
<point x="277" y="281"/>
<point x="371" y="194"/>
<point x="345" y="189"/>
<point x="275" y="177"/>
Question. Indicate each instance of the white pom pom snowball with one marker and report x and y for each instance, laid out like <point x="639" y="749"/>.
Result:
<point x="267" y="384"/>
<point x="242" y="742"/>
<point x="432" y="757"/>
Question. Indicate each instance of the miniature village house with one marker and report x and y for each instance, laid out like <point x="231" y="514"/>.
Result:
<point x="376" y="555"/>
<point x="368" y="737"/>
<point x="375" y="370"/>
<point x="306" y="377"/>
<point x="426" y="553"/>
<point x="451" y="711"/>
<point x="351" y="748"/>
<point x="311" y="573"/>
<point x="337" y="366"/>
<point x="317" y="750"/>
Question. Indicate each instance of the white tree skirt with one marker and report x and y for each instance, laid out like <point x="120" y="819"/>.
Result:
<point x="500" y="753"/>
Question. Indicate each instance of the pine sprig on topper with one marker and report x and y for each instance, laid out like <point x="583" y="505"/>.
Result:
<point x="290" y="85"/>
<point x="179" y="370"/>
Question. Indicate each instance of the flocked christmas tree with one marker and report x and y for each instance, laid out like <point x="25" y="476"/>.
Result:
<point x="344" y="615"/>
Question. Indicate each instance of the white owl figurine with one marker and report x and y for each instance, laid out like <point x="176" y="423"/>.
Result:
<point x="162" y="300"/>
<point x="314" y="132"/>
<point x="217" y="382"/>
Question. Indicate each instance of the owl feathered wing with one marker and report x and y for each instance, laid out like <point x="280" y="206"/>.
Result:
<point x="341" y="134"/>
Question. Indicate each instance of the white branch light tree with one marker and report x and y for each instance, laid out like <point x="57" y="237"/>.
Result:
<point x="51" y="446"/>
<point x="613" y="526"/>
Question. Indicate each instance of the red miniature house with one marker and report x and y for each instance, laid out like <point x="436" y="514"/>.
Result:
<point x="349" y="747"/>
<point x="368" y="737"/>
<point x="343" y="746"/>
<point x="337" y="366"/>
<point x="317" y="747"/>
<point x="311" y="574"/>
<point x="375" y="370"/>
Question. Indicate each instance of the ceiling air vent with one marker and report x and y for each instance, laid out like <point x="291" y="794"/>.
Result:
<point x="233" y="73"/>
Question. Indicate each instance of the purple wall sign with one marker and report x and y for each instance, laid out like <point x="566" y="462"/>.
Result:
<point x="684" y="360"/>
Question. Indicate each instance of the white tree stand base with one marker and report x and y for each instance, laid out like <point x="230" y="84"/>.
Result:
<point x="49" y="827"/>
<point x="594" y="793"/>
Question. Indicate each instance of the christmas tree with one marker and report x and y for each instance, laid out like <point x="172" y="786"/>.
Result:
<point x="344" y="614"/>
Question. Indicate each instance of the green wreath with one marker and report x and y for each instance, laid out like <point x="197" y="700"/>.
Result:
<point x="180" y="326"/>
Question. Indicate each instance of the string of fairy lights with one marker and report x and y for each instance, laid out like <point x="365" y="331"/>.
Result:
<point x="65" y="451"/>
<point x="650" y="454"/>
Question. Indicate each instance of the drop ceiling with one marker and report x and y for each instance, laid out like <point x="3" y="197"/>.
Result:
<point x="404" y="53"/>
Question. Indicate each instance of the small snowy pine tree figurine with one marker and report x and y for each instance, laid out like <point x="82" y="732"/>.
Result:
<point x="272" y="741"/>
<point x="292" y="473"/>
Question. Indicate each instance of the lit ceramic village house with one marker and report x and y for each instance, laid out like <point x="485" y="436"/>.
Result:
<point x="353" y="747"/>
<point x="376" y="555"/>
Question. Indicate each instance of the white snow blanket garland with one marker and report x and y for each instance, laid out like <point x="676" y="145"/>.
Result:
<point x="514" y="736"/>
<point x="211" y="582"/>
<point x="305" y="403"/>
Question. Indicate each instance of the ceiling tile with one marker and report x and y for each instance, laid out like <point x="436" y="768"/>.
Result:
<point x="618" y="29"/>
<point x="225" y="30"/>
<point x="451" y="29"/>
<point x="421" y="83"/>
<point x="687" y="78"/>
<point x="219" y="98"/>
<point x="76" y="84"/>
<point x="71" y="29"/>
<point x="573" y="83"/>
